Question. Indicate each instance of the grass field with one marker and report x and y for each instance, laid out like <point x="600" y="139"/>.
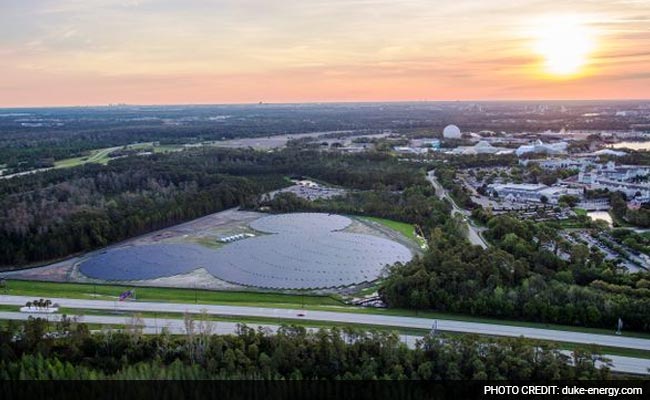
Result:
<point x="209" y="242"/>
<point x="101" y="156"/>
<point x="166" y="148"/>
<point x="71" y="162"/>
<point x="571" y="223"/>
<point x="580" y="211"/>
<point x="261" y="299"/>
<point x="404" y="228"/>
<point x="40" y="289"/>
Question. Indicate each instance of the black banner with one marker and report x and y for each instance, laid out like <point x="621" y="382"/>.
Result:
<point x="322" y="390"/>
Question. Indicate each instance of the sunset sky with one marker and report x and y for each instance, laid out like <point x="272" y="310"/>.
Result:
<point x="83" y="52"/>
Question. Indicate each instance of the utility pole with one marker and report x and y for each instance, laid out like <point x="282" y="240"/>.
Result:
<point x="434" y="328"/>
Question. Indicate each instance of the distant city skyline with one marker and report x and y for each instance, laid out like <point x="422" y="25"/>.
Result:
<point x="97" y="52"/>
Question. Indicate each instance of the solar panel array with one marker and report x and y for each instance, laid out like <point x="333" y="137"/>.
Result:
<point x="303" y="251"/>
<point x="303" y="223"/>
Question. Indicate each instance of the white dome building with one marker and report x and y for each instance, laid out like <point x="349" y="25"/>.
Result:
<point x="451" y="132"/>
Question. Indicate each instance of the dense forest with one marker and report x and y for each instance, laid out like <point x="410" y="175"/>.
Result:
<point x="60" y="212"/>
<point x="27" y="351"/>
<point x="520" y="277"/>
<point x="95" y="206"/>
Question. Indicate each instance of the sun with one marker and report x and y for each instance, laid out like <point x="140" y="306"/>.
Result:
<point x="565" y="43"/>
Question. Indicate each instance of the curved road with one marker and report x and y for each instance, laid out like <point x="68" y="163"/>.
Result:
<point x="347" y="317"/>
<point x="473" y="233"/>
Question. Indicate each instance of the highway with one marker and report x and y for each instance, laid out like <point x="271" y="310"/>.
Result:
<point x="346" y="317"/>
<point x="177" y="326"/>
<point x="473" y="233"/>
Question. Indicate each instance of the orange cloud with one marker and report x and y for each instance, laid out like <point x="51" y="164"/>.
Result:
<point x="73" y="52"/>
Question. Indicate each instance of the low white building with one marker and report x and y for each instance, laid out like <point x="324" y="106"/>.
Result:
<point x="559" y="163"/>
<point x="482" y="147"/>
<point x="306" y="183"/>
<point x="628" y="179"/>
<point x="624" y="173"/>
<point x="410" y="150"/>
<point x="595" y="181"/>
<point x="532" y="193"/>
<point x="545" y="148"/>
<point x="610" y="152"/>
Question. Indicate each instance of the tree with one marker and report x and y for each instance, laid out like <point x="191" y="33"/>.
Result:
<point x="569" y="200"/>
<point x="134" y="327"/>
<point x="579" y="254"/>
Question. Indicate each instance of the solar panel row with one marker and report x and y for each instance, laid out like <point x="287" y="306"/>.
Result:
<point x="304" y="251"/>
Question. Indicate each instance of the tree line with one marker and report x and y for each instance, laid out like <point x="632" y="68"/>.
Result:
<point x="30" y="350"/>
<point x="522" y="277"/>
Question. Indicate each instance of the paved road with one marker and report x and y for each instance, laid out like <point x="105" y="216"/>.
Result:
<point x="177" y="326"/>
<point x="346" y="317"/>
<point x="473" y="232"/>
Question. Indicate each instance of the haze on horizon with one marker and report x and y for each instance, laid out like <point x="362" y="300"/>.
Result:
<point x="85" y="52"/>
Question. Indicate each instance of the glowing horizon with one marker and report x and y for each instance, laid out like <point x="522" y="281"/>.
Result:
<point x="75" y="52"/>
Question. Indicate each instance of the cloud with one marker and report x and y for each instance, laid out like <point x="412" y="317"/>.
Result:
<point x="367" y="48"/>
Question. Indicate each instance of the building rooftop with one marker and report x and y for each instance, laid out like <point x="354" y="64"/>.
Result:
<point x="531" y="187"/>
